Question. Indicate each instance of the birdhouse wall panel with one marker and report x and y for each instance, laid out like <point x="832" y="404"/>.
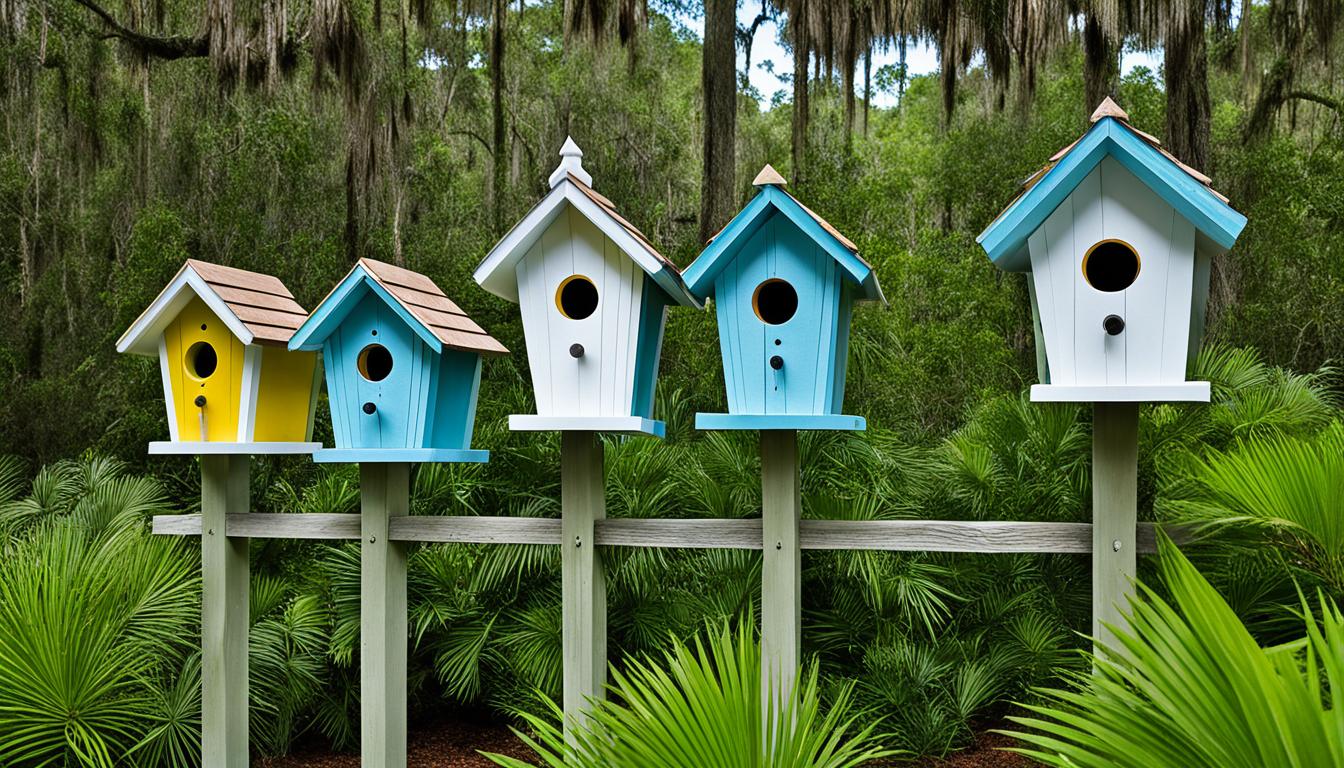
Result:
<point x="187" y="339"/>
<point x="1093" y="348"/>
<point x="836" y="403"/>
<point x="1055" y="290"/>
<point x="741" y="335"/>
<point x="1133" y="214"/>
<point x="458" y="380"/>
<point x="600" y="380"/>
<point x="1180" y="290"/>
<point x="285" y="395"/>
<point x="648" y="347"/>
<point x="1198" y="307"/>
<point x="827" y="296"/>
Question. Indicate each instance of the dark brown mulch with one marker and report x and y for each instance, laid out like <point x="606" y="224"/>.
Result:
<point x="454" y="745"/>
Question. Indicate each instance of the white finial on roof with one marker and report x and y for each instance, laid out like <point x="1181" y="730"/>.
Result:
<point x="768" y="177"/>
<point x="1109" y="108"/>
<point x="571" y="162"/>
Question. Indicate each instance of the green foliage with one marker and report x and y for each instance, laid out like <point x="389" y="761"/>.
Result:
<point x="1186" y="684"/>
<point x="704" y="704"/>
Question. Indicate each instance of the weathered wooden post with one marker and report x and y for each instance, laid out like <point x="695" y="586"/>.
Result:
<point x="1118" y="236"/>
<point x="403" y="367"/>
<point x="232" y="390"/>
<point x="784" y="281"/>
<point x="594" y="294"/>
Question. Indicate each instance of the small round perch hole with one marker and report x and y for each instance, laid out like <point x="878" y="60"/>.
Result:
<point x="1111" y="265"/>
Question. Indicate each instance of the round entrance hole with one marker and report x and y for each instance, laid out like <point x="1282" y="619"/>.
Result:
<point x="202" y="360"/>
<point x="775" y="301"/>
<point x="576" y="298"/>
<point x="375" y="362"/>
<point x="1110" y="266"/>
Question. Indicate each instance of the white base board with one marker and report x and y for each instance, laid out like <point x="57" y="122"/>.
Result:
<point x="1182" y="392"/>
<point x="212" y="448"/>
<point x="625" y="425"/>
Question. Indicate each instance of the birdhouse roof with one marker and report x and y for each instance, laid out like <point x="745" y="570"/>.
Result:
<point x="772" y="199"/>
<point x="572" y="186"/>
<point x="415" y="298"/>
<point x="256" y="308"/>
<point x="1183" y="188"/>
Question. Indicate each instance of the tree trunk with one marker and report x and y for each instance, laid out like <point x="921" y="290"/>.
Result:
<point x="500" y="155"/>
<point x="1101" y="64"/>
<point x="351" y="206"/>
<point x="1187" y="80"/>
<point x="802" y="49"/>
<point x="718" y="79"/>
<point x="867" y="87"/>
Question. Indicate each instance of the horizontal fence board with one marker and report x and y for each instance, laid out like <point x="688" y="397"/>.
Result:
<point x="701" y="533"/>
<point x="464" y="529"/>
<point x="705" y="533"/>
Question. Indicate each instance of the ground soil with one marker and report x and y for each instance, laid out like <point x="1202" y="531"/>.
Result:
<point x="456" y="745"/>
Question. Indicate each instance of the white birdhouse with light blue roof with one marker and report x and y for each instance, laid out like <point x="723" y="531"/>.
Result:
<point x="1118" y="236"/>
<point x="594" y="293"/>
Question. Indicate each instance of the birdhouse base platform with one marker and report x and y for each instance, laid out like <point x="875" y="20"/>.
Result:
<point x="624" y="425"/>
<point x="767" y="421"/>
<point x="211" y="448"/>
<point x="1182" y="392"/>
<point x="401" y="456"/>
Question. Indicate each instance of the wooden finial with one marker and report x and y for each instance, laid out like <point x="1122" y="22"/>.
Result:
<point x="768" y="177"/>
<point x="1109" y="108"/>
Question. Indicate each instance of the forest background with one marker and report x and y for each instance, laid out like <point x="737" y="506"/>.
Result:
<point x="294" y="136"/>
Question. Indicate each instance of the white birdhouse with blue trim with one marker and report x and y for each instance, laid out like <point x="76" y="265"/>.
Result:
<point x="594" y="294"/>
<point x="1118" y="236"/>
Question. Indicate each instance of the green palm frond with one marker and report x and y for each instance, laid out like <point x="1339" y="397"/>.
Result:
<point x="13" y="478"/>
<point x="1185" y="684"/>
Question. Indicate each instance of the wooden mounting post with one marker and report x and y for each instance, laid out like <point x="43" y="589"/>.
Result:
<point x="224" y="614"/>
<point x="781" y="566"/>
<point x="1115" y="490"/>
<point x="583" y="583"/>
<point x="384" y="495"/>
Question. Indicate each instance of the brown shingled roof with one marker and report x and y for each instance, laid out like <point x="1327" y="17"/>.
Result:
<point x="1109" y="108"/>
<point x="260" y="302"/>
<point x="610" y="210"/>
<point x="423" y="299"/>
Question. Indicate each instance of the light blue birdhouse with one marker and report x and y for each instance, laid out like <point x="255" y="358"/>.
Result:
<point x="784" y="283"/>
<point x="403" y="367"/>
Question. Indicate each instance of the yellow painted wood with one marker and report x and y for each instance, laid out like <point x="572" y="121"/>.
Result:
<point x="222" y="388"/>
<point x="285" y="395"/>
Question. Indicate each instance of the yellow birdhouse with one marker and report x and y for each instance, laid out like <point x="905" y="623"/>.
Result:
<point x="221" y="337"/>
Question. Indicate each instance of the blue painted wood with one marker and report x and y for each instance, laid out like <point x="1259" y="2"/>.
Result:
<point x="1005" y="239"/>
<point x="757" y="421"/>
<point x="342" y="300"/>
<point x="702" y="275"/>
<point x="454" y="415"/>
<point x="394" y="455"/>
<point x="648" y="347"/>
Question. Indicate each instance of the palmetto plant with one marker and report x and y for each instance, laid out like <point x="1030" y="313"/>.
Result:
<point x="1186" y="684"/>
<point x="703" y="705"/>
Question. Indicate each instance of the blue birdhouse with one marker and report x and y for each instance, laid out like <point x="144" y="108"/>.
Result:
<point x="403" y="367"/>
<point x="784" y="283"/>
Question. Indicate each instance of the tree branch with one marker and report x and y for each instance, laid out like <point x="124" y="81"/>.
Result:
<point x="168" y="48"/>
<point x="1334" y="105"/>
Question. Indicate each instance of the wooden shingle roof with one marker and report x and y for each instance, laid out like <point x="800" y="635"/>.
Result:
<point x="260" y="302"/>
<point x="428" y="304"/>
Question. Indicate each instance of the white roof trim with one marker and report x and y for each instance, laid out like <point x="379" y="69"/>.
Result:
<point x="142" y="338"/>
<point x="496" y="272"/>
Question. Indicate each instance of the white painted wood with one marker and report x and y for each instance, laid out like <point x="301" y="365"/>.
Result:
<point x="586" y="251"/>
<point x="532" y="303"/>
<point x="250" y="386"/>
<point x="1134" y="214"/>
<point x="1178" y="301"/>
<point x="198" y="448"/>
<point x="224" y="614"/>
<point x="583" y="579"/>
<point x="143" y="334"/>
<point x="166" y="375"/>
<point x="457" y="529"/>
<point x="1177" y="392"/>
<point x="1098" y="357"/>
<point x="1060" y="281"/>
<point x="630" y="425"/>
